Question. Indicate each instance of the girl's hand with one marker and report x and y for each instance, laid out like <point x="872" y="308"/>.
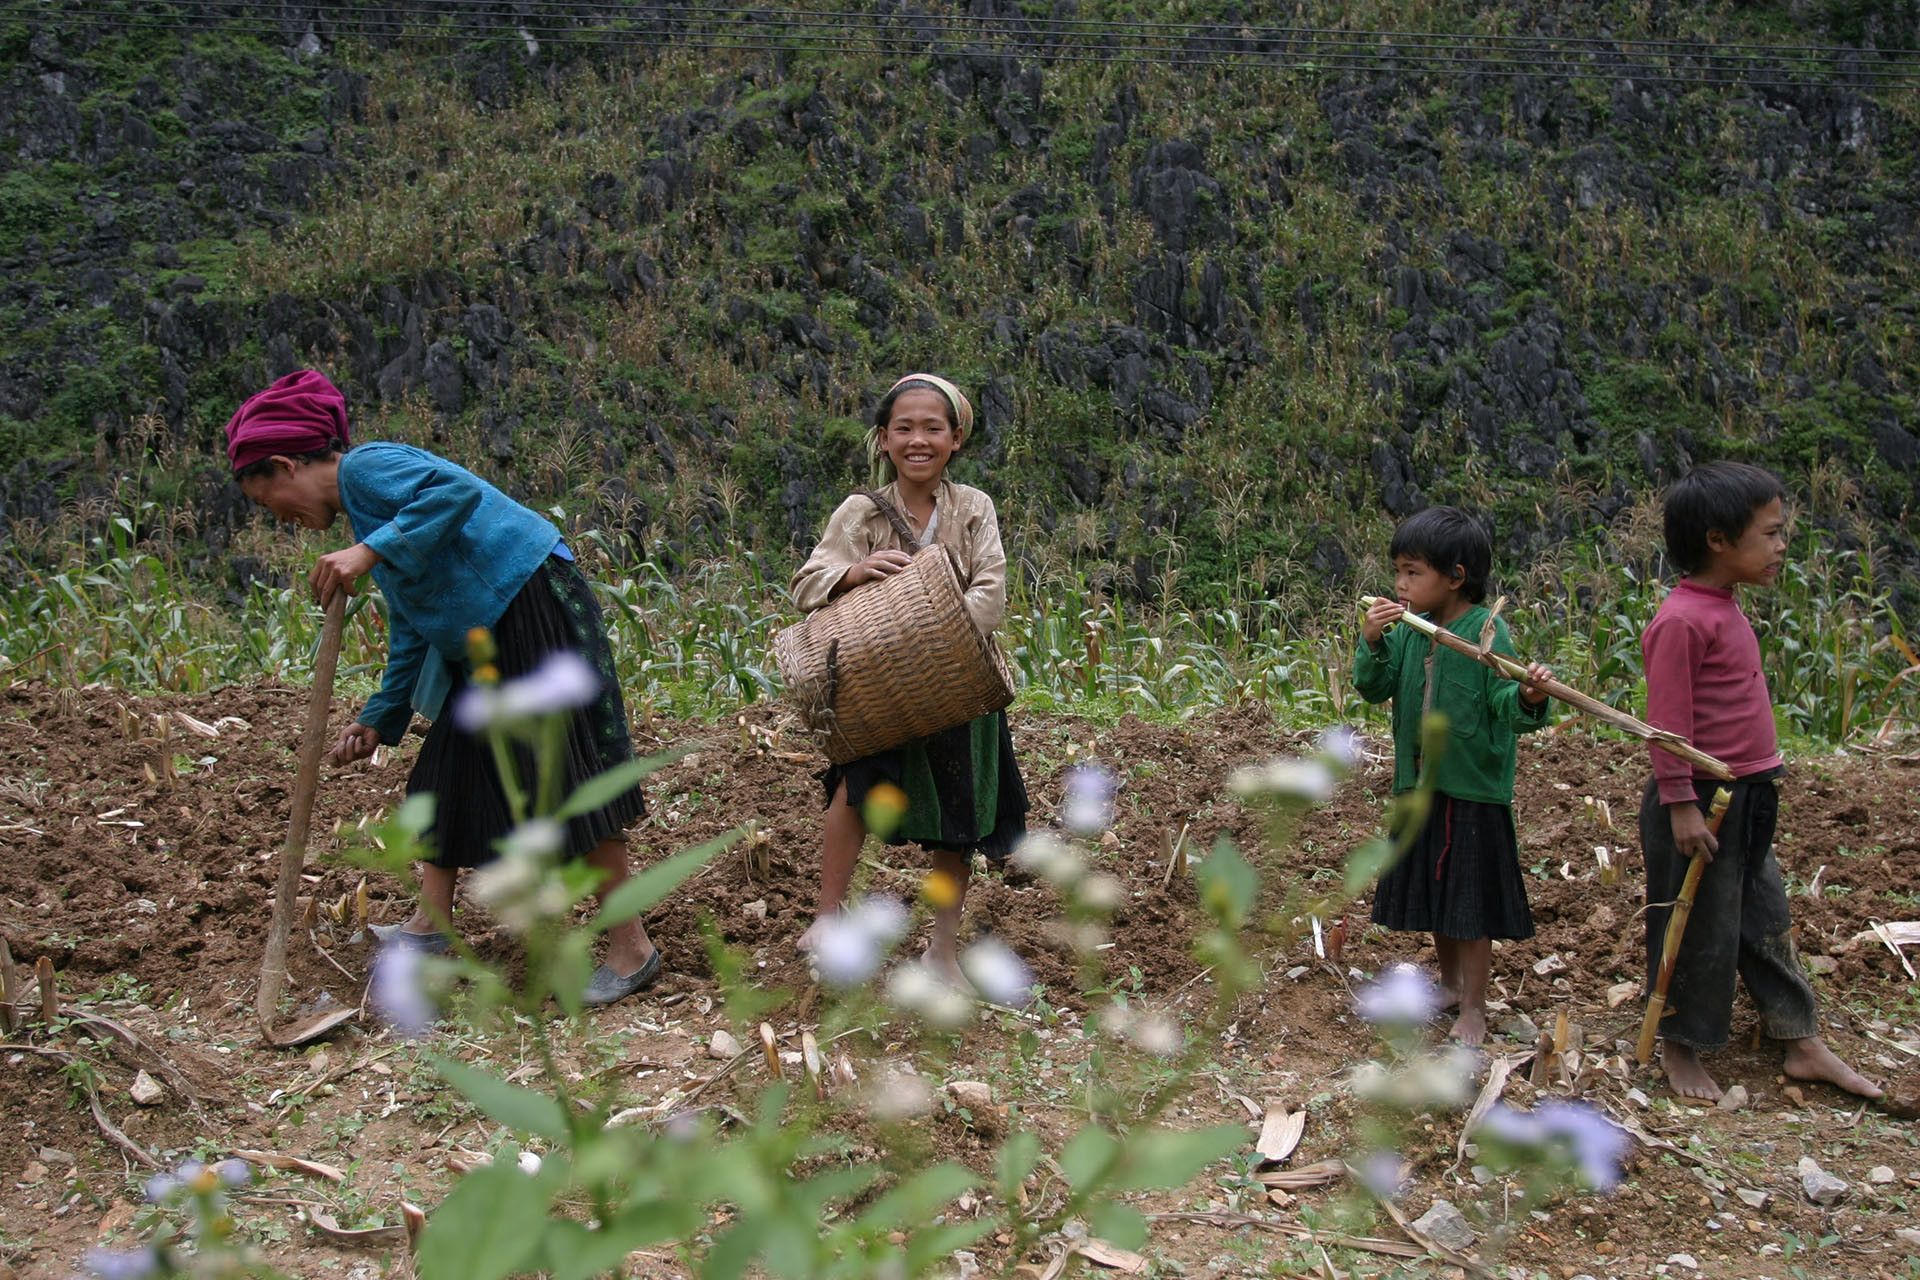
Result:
<point x="1691" y="835"/>
<point x="1379" y="616"/>
<point x="881" y="564"/>
<point x="356" y="742"/>
<point x="339" y="570"/>
<point x="1530" y="692"/>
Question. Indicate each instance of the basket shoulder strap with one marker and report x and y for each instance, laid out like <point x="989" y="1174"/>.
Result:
<point x="892" y="513"/>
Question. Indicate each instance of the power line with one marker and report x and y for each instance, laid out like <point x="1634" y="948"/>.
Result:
<point x="572" y="13"/>
<point x="1299" y="49"/>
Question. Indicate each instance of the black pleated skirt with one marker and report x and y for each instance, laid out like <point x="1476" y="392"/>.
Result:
<point x="963" y="788"/>
<point x="555" y="610"/>
<point x="1461" y="878"/>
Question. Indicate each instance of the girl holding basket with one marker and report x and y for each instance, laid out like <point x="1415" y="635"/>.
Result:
<point x="962" y="787"/>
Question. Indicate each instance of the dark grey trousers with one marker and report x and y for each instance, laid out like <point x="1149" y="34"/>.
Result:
<point x="1740" y="925"/>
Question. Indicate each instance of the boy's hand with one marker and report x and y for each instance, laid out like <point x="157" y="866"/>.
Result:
<point x="881" y="564"/>
<point x="339" y="570"/>
<point x="1380" y="615"/>
<point x="1530" y="693"/>
<point x="1691" y="834"/>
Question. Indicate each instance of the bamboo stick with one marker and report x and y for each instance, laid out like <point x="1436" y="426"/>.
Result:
<point x="1512" y="670"/>
<point x="1676" y="929"/>
<point x="49" y="989"/>
<point x="10" y="1020"/>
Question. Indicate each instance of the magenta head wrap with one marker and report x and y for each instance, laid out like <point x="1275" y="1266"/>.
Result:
<point x="301" y="413"/>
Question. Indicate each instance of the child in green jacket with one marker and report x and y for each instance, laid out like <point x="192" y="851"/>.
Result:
<point x="1460" y="878"/>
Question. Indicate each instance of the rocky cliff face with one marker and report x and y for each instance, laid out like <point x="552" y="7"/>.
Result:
<point x="1217" y="311"/>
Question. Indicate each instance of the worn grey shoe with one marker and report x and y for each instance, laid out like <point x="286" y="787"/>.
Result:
<point x="396" y="935"/>
<point x="606" y="986"/>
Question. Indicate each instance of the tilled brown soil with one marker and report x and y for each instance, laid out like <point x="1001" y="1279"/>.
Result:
<point x="141" y="863"/>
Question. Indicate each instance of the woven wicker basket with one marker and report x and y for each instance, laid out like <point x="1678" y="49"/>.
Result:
<point x="892" y="661"/>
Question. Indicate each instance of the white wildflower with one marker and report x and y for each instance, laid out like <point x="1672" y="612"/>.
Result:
<point x="901" y="1095"/>
<point x="1341" y="746"/>
<point x="1403" y="995"/>
<point x="564" y="681"/>
<point x="534" y="838"/>
<point x="1089" y="807"/>
<point x="1155" y="1033"/>
<point x="1101" y="893"/>
<point x="997" y="973"/>
<point x="1292" y="779"/>
<point x="398" y="990"/>
<point x="918" y="989"/>
<point x="1050" y="858"/>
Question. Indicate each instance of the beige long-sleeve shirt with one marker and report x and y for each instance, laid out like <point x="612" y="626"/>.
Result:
<point x="966" y="524"/>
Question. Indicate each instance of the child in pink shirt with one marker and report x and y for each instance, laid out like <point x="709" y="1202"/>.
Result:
<point x="1725" y="525"/>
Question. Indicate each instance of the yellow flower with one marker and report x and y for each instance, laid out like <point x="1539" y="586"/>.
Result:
<point x="480" y="646"/>
<point x="940" y="890"/>
<point x="487" y="674"/>
<point x="885" y="805"/>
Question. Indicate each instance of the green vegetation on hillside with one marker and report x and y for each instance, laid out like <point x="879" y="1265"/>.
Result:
<point x="1224" y="322"/>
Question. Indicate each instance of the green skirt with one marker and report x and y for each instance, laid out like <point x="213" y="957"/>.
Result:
<point x="962" y="785"/>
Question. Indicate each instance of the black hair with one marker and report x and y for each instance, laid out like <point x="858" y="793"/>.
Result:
<point x="264" y="466"/>
<point x="1446" y="538"/>
<point x="884" y="411"/>
<point x="1717" y="496"/>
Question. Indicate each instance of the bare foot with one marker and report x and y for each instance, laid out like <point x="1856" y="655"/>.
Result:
<point x="1686" y="1073"/>
<point x="1449" y="998"/>
<point x="1470" y="1028"/>
<point x="1810" y="1059"/>
<point x="946" y="967"/>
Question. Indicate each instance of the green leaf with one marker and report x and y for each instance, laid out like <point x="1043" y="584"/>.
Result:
<point x="1014" y="1161"/>
<point x="575" y="1253"/>
<point x="1118" y="1224"/>
<point x="916" y="1200"/>
<point x="570" y="968"/>
<point x="604" y="788"/>
<point x="490" y="1227"/>
<point x="924" y="1248"/>
<point x="1162" y="1159"/>
<point x="1368" y="863"/>
<point x="645" y="891"/>
<point x="734" y="1249"/>
<point x="519" y="1109"/>
<point x="1088" y="1156"/>
<point x="1228" y="884"/>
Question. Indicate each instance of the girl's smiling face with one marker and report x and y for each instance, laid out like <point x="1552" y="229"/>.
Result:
<point x="920" y="438"/>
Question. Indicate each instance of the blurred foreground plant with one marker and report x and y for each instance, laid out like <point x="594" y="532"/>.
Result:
<point x="762" y="1186"/>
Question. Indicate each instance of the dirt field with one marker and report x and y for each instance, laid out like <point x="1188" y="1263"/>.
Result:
<point x="142" y="867"/>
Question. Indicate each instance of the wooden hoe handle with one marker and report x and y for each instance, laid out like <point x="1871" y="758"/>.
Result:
<point x="293" y="857"/>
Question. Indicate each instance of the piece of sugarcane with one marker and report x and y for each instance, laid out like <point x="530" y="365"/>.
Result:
<point x="1676" y="929"/>
<point x="1512" y="670"/>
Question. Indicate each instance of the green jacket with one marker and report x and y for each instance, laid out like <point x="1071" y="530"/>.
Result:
<point x="1484" y="711"/>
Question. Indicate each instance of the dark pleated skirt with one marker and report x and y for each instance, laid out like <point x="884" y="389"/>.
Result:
<point x="555" y="610"/>
<point x="1461" y="878"/>
<point x="963" y="788"/>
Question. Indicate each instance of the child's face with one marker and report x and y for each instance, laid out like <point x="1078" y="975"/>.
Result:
<point x="919" y="437"/>
<point x="1756" y="555"/>
<point x="1423" y="588"/>
<point x="295" y="492"/>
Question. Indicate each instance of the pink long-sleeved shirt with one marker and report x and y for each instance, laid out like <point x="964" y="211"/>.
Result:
<point x="1704" y="682"/>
